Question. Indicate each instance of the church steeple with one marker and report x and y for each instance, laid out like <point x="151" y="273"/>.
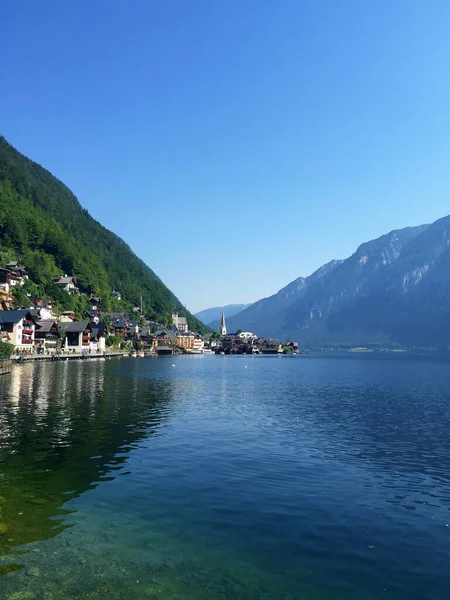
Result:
<point x="223" y="326"/>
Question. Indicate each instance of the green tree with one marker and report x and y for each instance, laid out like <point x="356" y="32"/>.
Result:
<point x="5" y="349"/>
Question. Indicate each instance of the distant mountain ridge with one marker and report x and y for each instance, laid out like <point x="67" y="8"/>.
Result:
<point x="211" y="316"/>
<point x="394" y="290"/>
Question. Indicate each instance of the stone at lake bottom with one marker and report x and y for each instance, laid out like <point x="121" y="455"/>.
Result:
<point x="22" y="596"/>
<point x="34" y="572"/>
<point x="3" y="528"/>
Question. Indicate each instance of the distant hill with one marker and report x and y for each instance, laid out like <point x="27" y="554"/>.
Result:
<point x="43" y="225"/>
<point x="211" y="315"/>
<point x="394" y="290"/>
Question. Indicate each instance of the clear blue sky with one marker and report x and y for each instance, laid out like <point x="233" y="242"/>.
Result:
<point x="235" y="144"/>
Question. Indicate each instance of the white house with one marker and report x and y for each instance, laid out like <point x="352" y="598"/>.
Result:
<point x="17" y="327"/>
<point x="69" y="284"/>
<point x="247" y="336"/>
<point x="199" y="344"/>
<point x="97" y="341"/>
<point x="45" y="307"/>
<point x="77" y="336"/>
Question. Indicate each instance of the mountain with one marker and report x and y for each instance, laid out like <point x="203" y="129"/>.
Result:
<point x="394" y="290"/>
<point x="210" y="315"/>
<point x="43" y="225"/>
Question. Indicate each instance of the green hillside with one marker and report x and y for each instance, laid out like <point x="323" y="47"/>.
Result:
<point x="43" y="225"/>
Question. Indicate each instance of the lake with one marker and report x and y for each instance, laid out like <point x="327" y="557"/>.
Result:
<point x="226" y="477"/>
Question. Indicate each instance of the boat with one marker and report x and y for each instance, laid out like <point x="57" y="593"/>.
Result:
<point x="133" y="354"/>
<point x="207" y="351"/>
<point x="195" y="352"/>
<point x="141" y="354"/>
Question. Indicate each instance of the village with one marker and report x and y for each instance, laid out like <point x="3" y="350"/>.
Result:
<point x="36" y="330"/>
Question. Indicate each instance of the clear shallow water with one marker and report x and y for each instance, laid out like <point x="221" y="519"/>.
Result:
<point x="296" y="477"/>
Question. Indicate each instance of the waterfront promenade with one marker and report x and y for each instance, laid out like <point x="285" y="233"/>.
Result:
<point x="67" y="356"/>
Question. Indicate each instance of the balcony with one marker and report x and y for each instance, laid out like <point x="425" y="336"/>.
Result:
<point x="27" y="341"/>
<point x="27" y="331"/>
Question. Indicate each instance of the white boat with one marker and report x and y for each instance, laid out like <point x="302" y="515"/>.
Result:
<point x="207" y="351"/>
<point x="133" y="354"/>
<point x="195" y="351"/>
<point x="141" y="354"/>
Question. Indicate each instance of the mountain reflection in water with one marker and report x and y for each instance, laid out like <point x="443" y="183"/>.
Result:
<point x="63" y="429"/>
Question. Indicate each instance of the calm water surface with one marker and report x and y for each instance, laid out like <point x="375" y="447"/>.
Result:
<point x="294" y="478"/>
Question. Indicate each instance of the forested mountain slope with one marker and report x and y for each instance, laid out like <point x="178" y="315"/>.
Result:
<point x="44" y="226"/>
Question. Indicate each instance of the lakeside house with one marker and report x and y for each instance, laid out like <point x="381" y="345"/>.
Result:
<point x="97" y="342"/>
<point x="165" y="337"/>
<point x="190" y="341"/>
<point x="269" y="345"/>
<point x="186" y="340"/>
<point x="47" y="337"/>
<point x="76" y="336"/>
<point x="17" y="327"/>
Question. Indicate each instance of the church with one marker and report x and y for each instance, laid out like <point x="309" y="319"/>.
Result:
<point x="223" y="325"/>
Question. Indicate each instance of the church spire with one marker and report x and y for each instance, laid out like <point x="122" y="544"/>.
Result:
<point x="223" y="326"/>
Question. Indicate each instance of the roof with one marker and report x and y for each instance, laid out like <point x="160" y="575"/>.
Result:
<point x="64" y="280"/>
<point x="14" y="316"/>
<point x="98" y="329"/>
<point x="133" y="323"/>
<point x="46" y="326"/>
<point x="74" y="326"/>
<point x="182" y="321"/>
<point x="41" y="302"/>
<point x="36" y="312"/>
<point x="115" y="315"/>
<point x="120" y="324"/>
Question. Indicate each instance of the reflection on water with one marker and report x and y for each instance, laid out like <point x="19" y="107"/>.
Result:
<point x="63" y="429"/>
<point x="292" y="478"/>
